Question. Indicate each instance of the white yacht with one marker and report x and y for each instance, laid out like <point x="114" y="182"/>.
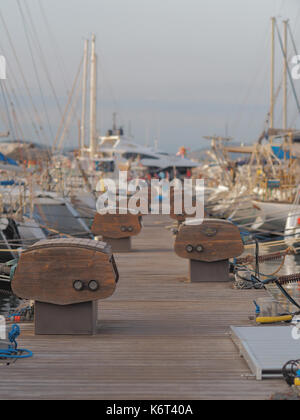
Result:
<point x="115" y="152"/>
<point x="123" y="151"/>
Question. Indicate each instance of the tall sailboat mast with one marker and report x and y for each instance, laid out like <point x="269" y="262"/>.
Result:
<point x="84" y="96"/>
<point x="272" y="88"/>
<point x="285" y="38"/>
<point x="93" y="99"/>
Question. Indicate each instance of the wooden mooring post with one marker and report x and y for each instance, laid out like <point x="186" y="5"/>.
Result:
<point x="208" y="246"/>
<point x="66" y="278"/>
<point x="117" y="229"/>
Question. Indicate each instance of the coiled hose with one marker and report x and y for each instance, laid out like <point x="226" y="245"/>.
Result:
<point x="13" y="352"/>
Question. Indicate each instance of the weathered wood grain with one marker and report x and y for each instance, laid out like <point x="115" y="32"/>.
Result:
<point x="218" y="240"/>
<point x="47" y="271"/>
<point x="116" y="226"/>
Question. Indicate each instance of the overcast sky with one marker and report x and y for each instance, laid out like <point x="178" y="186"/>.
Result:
<point x="176" y="69"/>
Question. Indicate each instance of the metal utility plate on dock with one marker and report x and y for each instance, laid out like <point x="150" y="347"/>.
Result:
<point x="266" y="349"/>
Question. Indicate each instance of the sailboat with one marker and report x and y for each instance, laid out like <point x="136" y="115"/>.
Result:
<point x="277" y="182"/>
<point x="269" y="181"/>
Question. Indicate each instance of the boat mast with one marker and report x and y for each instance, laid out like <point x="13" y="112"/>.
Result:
<point x="84" y="96"/>
<point x="285" y="40"/>
<point x="273" y="20"/>
<point x="93" y="99"/>
<point x="114" y="123"/>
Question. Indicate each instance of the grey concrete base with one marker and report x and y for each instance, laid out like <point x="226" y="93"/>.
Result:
<point x="79" y="319"/>
<point x="201" y="272"/>
<point x="119" y="245"/>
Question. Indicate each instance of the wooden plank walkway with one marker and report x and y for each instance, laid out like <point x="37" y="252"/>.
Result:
<point x="160" y="337"/>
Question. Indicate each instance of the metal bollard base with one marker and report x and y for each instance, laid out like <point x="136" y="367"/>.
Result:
<point x="78" y="319"/>
<point x="203" y="272"/>
<point x="119" y="245"/>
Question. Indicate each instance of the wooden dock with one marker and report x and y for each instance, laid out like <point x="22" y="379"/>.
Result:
<point x="159" y="337"/>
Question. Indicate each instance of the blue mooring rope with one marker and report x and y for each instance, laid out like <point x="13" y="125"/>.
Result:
<point x="13" y="352"/>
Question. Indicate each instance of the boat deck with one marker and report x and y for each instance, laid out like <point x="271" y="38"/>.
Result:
<point x="159" y="337"/>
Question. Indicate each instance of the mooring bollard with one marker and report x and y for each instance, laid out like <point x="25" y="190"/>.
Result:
<point x="117" y="229"/>
<point x="66" y="278"/>
<point x="209" y="246"/>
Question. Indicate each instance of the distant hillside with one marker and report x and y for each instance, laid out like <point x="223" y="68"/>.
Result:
<point x="201" y="154"/>
<point x="23" y="150"/>
<point x="198" y="155"/>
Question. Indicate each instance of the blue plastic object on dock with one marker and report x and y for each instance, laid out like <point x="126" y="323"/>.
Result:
<point x="12" y="352"/>
<point x="257" y="308"/>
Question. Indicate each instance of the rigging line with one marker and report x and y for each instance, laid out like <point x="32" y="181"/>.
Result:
<point x="55" y="44"/>
<point x="296" y="53"/>
<point x="279" y="88"/>
<point x="106" y="79"/>
<point x="251" y="113"/>
<point x="72" y="111"/>
<point x="42" y="57"/>
<point x="39" y="123"/>
<point x="7" y="108"/>
<point x="237" y="120"/>
<point x="17" y="102"/>
<point x="14" y="116"/>
<point x="288" y="69"/>
<point x="280" y="215"/>
<point x="68" y="104"/>
<point x="35" y="68"/>
<point x="4" y="119"/>
<point x="292" y="38"/>
<point x="17" y="125"/>
<point x="275" y="97"/>
<point x="12" y="79"/>
<point x="296" y="20"/>
<point x="59" y="57"/>
<point x="106" y="82"/>
<point x="271" y="219"/>
<point x="272" y="244"/>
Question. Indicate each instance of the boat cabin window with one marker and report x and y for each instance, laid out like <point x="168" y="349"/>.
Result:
<point x="130" y="155"/>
